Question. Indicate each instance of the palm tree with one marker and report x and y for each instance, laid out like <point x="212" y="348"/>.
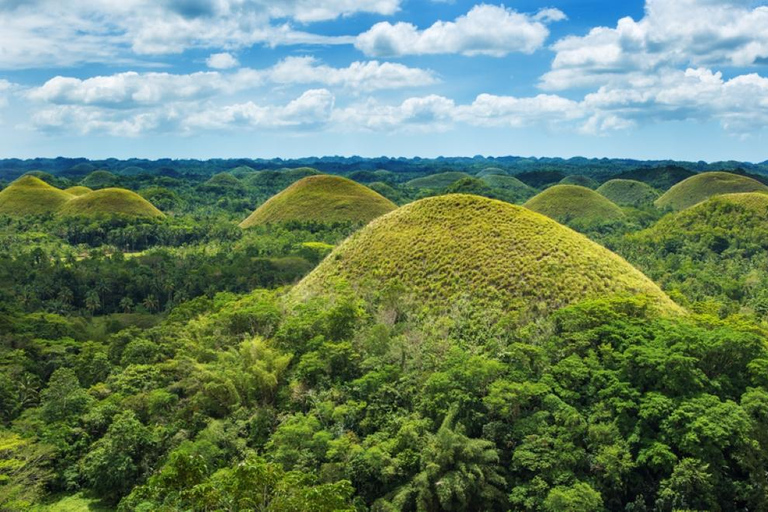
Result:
<point x="92" y="302"/>
<point x="126" y="304"/>
<point x="457" y="473"/>
<point x="151" y="303"/>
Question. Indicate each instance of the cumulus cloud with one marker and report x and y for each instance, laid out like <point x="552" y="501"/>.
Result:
<point x="221" y="61"/>
<point x="673" y="33"/>
<point x="484" y="30"/>
<point x="50" y="33"/>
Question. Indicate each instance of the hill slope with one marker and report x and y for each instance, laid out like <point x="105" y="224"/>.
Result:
<point x="511" y="185"/>
<point x="78" y="190"/>
<point x="571" y="203"/>
<point x="446" y="248"/>
<point x="661" y="178"/>
<point x="99" y="179"/>
<point x="628" y="192"/>
<point x="703" y="186"/>
<point x="321" y="199"/>
<point x="438" y="181"/>
<point x="580" y="180"/>
<point x="110" y="201"/>
<point x="31" y="196"/>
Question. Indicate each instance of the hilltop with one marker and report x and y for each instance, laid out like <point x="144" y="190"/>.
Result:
<point x="703" y="186"/>
<point x="453" y="247"/>
<point x="572" y="203"/>
<point x="516" y="189"/>
<point x="492" y="171"/>
<point x="78" y="190"/>
<point x="110" y="201"/>
<point x="628" y="192"/>
<point x="580" y="180"/>
<point x="99" y="179"/>
<point x="31" y="196"/>
<point x="323" y="199"/>
<point x="438" y="181"/>
<point x="661" y="178"/>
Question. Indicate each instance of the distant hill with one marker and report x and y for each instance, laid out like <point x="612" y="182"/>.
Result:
<point x="580" y="180"/>
<point x="628" y="192"/>
<point x="702" y="186"/>
<point x="516" y="190"/>
<point x="438" y="181"/>
<point x="540" y="179"/>
<point x="492" y="171"/>
<point x="78" y="190"/>
<point x="661" y="178"/>
<point x="573" y="204"/>
<point x="110" y="201"/>
<point x="452" y="248"/>
<point x="31" y="196"/>
<point x="322" y="199"/>
<point x="99" y="179"/>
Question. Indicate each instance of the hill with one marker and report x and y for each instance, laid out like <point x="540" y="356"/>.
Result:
<point x="574" y="204"/>
<point x="31" y="196"/>
<point x="438" y="181"/>
<point x="661" y="178"/>
<point x="580" y="180"/>
<point x="492" y="171"/>
<point x="511" y="185"/>
<point x="223" y="183"/>
<point x="703" y="186"/>
<point x="78" y="190"/>
<point x="628" y="192"/>
<point x="99" y="179"/>
<point x="540" y="179"/>
<point x="453" y="247"/>
<point x="323" y="199"/>
<point x="108" y="202"/>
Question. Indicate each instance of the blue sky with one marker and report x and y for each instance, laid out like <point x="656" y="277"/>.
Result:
<point x="683" y="79"/>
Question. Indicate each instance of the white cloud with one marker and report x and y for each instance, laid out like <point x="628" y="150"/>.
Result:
<point x="672" y="33"/>
<point x="492" y="110"/>
<point x="221" y="61"/>
<point x="428" y="113"/>
<point x="484" y="30"/>
<point x="51" y="33"/>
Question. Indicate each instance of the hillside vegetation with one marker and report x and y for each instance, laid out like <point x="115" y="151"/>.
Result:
<point x="455" y="247"/>
<point x="580" y="180"/>
<point x="628" y="192"/>
<point x="703" y="186"/>
<point x="31" y="196"/>
<point x="516" y="189"/>
<point x="99" y="179"/>
<point x="110" y="201"/>
<point x="438" y="181"/>
<point x="574" y="204"/>
<point x="78" y="190"/>
<point x="321" y="199"/>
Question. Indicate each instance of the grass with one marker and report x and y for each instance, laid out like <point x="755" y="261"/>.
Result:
<point x="73" y="503"/>
<point x="700" y="187"/>
<point x="110" y="201"/>
<point x="99" y="179"/>
<point x="78" y="190"/>
<point x="580" y="180"/>
<point x="31" y="196"/>
<point x="438" y="181"/>
<point x="324" y="199"/>
<point x="510" y="184"/>
<point x="628" y="192"/>
<point x="448" y="248"/>
<point x="571" y="203"/>
<point x="492" y="171"/>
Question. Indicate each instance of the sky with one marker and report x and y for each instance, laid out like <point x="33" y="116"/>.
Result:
<point x="653" y="79"/>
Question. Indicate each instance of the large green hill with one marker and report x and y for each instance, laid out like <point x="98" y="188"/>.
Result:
<point x="323" y="199"/>
<point x="453" y="247"/>
<point x="438" y="181"/>
<point x="574" y="204"/>
<point x="703" y="186"/>
<point x="78" y="190"/>
<point x="628" y="192"/>
<point x="31" y="196"/>
<point x="515" y="188"/>
<point x="99" y="179"/>
<point x="110" y="201"/>
<point x="580" y="180"/>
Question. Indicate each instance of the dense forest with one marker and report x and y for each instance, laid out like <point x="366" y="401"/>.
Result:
<point x="459" y="352"/>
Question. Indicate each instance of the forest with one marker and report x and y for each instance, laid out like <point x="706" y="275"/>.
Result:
<point x="351" y="334"/>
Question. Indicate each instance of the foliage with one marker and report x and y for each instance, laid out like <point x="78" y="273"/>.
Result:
<point x="703" y="186"/>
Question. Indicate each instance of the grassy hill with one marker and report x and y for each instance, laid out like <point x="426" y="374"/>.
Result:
<point x="660" y="178"/>
<point x="31" y="196"/>
<point x="574" y="204"/>
<point x="580" y="180"/>
<point x="78" y="190"/>
<point x="323" y="199"/>
<point x="514" y="190"/>
<point x="438" y="181"/>
<point x="110" y="201"/>
<point x="492" y="171"/>
<point x="628" y="192"/>
<point x="453" y="247"/>
<point x="99" y="179"/>
<point x="540" y="179"/>
<point x="703" y="186"/>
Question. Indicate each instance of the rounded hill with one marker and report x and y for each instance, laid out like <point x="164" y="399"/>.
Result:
<point x="31" y="196"/>
<point x="438" y="181"/>
<point x="492" y="171"/>
<point x="511" y="185"/>
<point x="574" y="204"/>
<point x="99" y="179"/>
<point x="628" y="192"/>
<point x="323" y="199"/>
<point x="110" y="202"/>
<point x="78" y="190"/>
<point x="453" y="247"/>
<point x="700" y="187"/>
<point x="580" y="180"/>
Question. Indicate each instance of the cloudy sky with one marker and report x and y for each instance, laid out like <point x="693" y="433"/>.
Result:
<point x="683" y="79"/>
